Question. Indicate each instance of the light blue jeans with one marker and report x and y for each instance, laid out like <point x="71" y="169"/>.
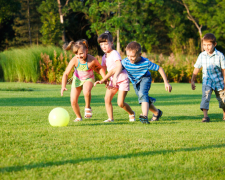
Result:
<point x="206" y="96"/>
<point x="142" y="88"/>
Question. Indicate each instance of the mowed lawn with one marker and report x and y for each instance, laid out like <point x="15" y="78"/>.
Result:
<point x="178" y="146"/>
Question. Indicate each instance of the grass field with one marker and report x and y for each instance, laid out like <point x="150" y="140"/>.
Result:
<point x="178" y="146"/>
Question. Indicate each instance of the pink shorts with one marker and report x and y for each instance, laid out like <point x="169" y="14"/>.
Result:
<point x="122" y="85"/>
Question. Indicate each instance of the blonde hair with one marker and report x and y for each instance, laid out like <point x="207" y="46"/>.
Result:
<point x="75" y="46"/>
<point x="134" y="46"/>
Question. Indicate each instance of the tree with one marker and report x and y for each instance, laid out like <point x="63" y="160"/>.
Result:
<point x="7" y="11"/>
<point x="130" y="17"/>
<point x="199" y="12"/>
<point x="27" y="23"/>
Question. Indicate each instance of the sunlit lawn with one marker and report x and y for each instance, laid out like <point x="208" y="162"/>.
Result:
<point x="179" y="146"/>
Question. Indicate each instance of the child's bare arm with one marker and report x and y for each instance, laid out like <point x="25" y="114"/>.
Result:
<point x="118" y="70"/>
<point x="194" y="75"/>
<point x="223" y="72"/>
<point x="66" y="74"/>
<point x="168" y="87"/>
<point x="98" y="68"/>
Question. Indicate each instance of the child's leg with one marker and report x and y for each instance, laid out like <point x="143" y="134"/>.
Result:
<point x="154" y="110"/>
<point x="223" y="114"/>
<point x="120" y="101"/>
<point x="74" y="95"/>
<point x="220" y="96"/>
<point x="110" y="92"/>
<point x="87" y="86"/>
<point x="205" y="112"/>
<point x="206" y="96"/>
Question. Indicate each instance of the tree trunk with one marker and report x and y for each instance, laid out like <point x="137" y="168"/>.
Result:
<point x="118" y="31"/>
<point x="118" y="41"/>
<point x="28" y="14"/>
<point x="190" y="17"/>
<point x="61" y="20"/>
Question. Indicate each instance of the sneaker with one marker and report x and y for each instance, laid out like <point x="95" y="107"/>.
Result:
<point x="144" y="119"/>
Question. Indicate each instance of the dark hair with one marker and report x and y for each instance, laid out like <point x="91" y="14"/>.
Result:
<point x="209" y="37"/>
<point x="75" y="46"/>
<point x="134" y="46"/>
<point x="105" y="37"/>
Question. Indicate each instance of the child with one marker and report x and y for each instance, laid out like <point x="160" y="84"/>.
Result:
<point x="83" y="77"/>
<point x="110" y="60"/>
<point x="138" y="68"/>
<point x="213" y="64"/>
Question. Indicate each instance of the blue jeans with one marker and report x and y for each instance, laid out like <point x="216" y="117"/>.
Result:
<point x="142" y="88"/>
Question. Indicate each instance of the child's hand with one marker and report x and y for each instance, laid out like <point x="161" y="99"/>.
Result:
<point x="168" y="87"/>
<point x="114" y="81"/>
<point x="97" y="82"/>
<point x="63" y="89"/>
<point x="193" y="85"/>
<point x="106" y="84"/>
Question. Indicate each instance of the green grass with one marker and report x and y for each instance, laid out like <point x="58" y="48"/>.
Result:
<point x="178" y="146"/>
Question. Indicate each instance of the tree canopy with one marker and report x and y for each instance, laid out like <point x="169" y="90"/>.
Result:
<point x="161" y="26"/>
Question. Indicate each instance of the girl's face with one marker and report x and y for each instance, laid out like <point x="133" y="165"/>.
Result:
<point x="81" y="53"/>
<point x="208" y="47"/>
<point x="106" y="46"/>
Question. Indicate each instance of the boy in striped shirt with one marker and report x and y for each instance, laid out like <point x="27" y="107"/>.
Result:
<point x="138" y="68"/>
<point x="213" y="74"/>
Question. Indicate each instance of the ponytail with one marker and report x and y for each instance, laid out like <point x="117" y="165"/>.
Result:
<point x="75" y="46"/>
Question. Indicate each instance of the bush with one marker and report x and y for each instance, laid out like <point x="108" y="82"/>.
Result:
<point x="178" y="68"/>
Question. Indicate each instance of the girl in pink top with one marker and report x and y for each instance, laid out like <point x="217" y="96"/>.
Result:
<point x="83" y="77"/>
<point x="111" y="60"/>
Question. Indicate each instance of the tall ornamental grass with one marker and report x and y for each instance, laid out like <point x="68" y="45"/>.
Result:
<point x="23" y="64"/>
<point x="47" y="64"/>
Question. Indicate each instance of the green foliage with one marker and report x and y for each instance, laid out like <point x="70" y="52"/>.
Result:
<point x="7" y="9"/>
<point x="52" y="70"/>
<point x="178" y="146"/>
<point x="51" y="28"/>
<point x="178" y="68"/>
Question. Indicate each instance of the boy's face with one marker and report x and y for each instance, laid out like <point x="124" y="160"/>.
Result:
<point x="106" y="46"/>
<point x="208" y="47"/>
<point x="133" y="56"/>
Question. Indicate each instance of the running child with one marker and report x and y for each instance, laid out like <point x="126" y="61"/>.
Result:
<point x="83" y="77"/>
<point x="111" y="60"/>
<point x="138" y="68"/>
<point x="213" y="74"/>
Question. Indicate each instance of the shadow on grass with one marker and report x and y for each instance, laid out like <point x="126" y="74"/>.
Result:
<point x="132" y="155"/>
<point x="98" y="100"/>
<point x="214" y="117"/>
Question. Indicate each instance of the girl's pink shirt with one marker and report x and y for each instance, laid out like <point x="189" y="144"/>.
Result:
<point x="110" y="63"/>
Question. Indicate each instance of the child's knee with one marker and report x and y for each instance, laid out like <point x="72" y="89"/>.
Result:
<point x="120" y="104"/>
<point x="73" y="101"/>
<point x="107" y="100"/>
<point x="86" y="93"/>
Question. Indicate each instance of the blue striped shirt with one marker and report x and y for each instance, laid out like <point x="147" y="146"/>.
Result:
<point x="211" y="69"/>
<point x="137" y="70"/>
